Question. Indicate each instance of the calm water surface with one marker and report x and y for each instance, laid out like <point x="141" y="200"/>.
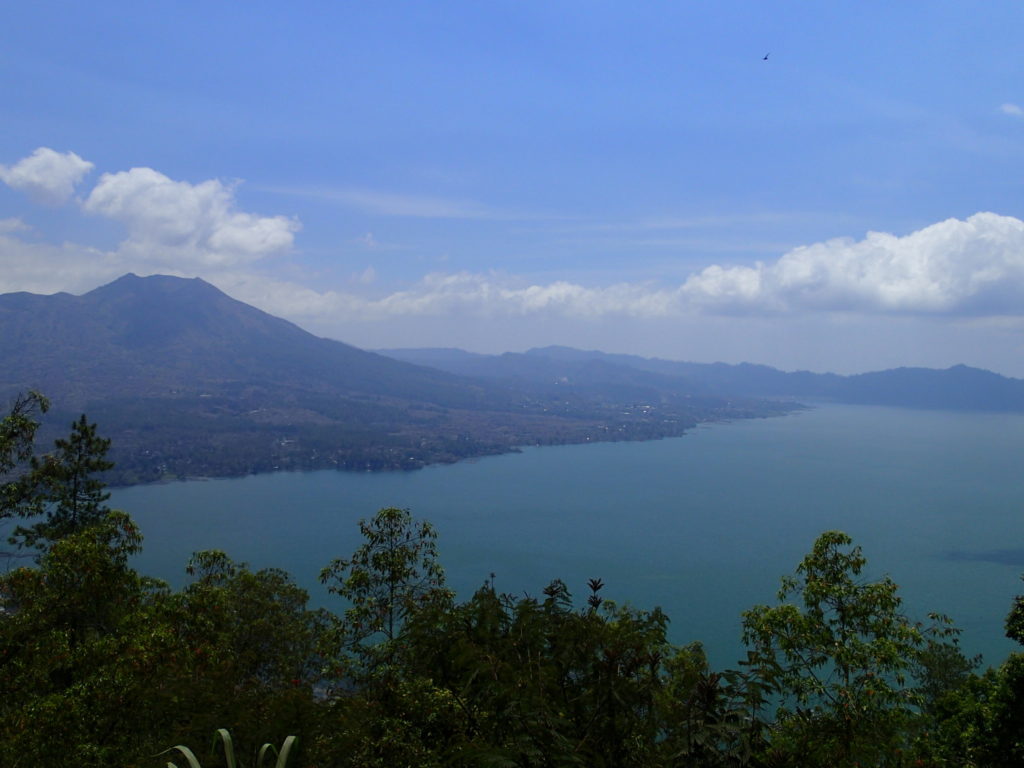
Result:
<point x="703" y="525"/>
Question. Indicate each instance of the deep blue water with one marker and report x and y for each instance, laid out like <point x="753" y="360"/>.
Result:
<point x="703" y="525"/>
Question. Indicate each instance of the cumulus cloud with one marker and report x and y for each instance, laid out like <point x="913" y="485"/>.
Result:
<point x="47" y="176"/>
<point x="1011" y="109"/>
<point x="971" y="268"/>
<point x="186" y="225"/>
<point x="953" y="267"/>
<point x="173" y="227"/>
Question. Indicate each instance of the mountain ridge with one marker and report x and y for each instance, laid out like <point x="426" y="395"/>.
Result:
<point x="189" y="381"/>
<point x="958" y="387"/>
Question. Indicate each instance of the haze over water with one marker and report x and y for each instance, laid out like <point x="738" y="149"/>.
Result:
<point x="704" y="525"/>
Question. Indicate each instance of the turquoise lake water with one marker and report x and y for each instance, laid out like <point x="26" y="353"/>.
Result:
<point x="703" y="525"/>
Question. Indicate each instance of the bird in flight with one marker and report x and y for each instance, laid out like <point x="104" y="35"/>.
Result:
<point x="766" y="56"/>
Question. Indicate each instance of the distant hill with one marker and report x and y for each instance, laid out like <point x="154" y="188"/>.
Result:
<point x="959" y="387"/>
<point x="188" y="381"/>
<point x="160" y="336"/>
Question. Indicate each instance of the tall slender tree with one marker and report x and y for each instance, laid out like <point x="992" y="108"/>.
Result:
<point x="66" y="488"/>
<point x="393" y="574"/>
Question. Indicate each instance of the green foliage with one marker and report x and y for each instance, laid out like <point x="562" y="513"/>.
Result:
<point x="257" y="620"/>
<point x="223" y="737"/>
<point x="103" y="664"/>
<point x="961" y="725"/>
<point x="1015" y="620"/>
<point x="939" y="666"/>
<point x="394" y="574"/>
<point x="66" y="487"/>
<point x="253" y="649"/>
<point x="535" y="682"/>
<point x="17" y="433"/>
<point x="18" y="429"/>
<point x="81" y="638"/>
<point x="838" y="658"/>
<point x="98" y="662"/>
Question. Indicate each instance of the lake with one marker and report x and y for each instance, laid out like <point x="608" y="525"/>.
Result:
<point x="703" y="525"/>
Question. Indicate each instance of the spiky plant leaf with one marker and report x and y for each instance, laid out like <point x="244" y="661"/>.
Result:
<point x="282" y="757"/>
<point x="282" y="754"/>
<point x="229" y="747"/>
<point x="193" y="761"/>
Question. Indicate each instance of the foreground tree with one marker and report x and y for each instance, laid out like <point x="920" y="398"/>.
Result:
<point x="67" y="489"/>
<point x="253" y="649"/>
<point x="839" y="656"/>
<point x="17" y="435"/>
<point x="377" y="717"/>
<point x="84" y="642"/>
<point x="393" y="574"/>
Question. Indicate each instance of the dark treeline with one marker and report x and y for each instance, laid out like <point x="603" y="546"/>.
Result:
<point x="101" y="666"/>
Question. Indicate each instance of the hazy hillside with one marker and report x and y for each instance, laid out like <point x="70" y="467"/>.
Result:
<point x="596" y="376"/>
<point x="959" y="387"/>
<point x="160" y="335"/>
<point x="189" y="381"/>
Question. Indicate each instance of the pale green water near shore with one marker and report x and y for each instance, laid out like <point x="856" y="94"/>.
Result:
<point x="703" y="525"/>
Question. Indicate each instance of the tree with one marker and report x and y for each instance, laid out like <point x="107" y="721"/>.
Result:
<point x="100" y="666"/>
<point x="391" y="578"/>
<point x="84" y="641"/>
<point x="17" y="433"/>
<point x="537" y="682"/>
<point x="838" y="658"/>
<point x="1015" y="620"/>
<point x="392" y="575"/>
<point x="253" y="650"/>
<point x="65" y="487"/>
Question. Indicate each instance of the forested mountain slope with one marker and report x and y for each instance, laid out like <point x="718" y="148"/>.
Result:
<point x="189" y="381"/>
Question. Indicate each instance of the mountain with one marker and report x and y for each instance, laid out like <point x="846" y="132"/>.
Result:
<point x="956" y="388"/>
<point x="158" y="335"/>
<point x="188" y="381"/>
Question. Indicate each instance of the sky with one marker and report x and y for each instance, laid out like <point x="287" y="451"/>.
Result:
<point x="826" y="186"/>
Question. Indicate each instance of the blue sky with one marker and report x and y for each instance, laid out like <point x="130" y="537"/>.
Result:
<point x="500" y="175"/>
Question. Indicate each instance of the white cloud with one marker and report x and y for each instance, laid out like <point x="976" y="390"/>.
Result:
<point x="46" y="176"/>
<point x="12" y="225"/>
<point x="1011" y="109"/>
<point x="413" y="206"/>
<point x="46" y="268"/>
<point x="494" y="294"/>
<point x="378" y="203"/>
<point x="184" y="225"/>
<point x="458" y="295"/>
<point x="972" y="268"/>
<point x="287" y="299"/>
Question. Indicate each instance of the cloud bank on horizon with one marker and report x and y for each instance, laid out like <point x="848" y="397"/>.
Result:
<point x="972" y="267"/>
